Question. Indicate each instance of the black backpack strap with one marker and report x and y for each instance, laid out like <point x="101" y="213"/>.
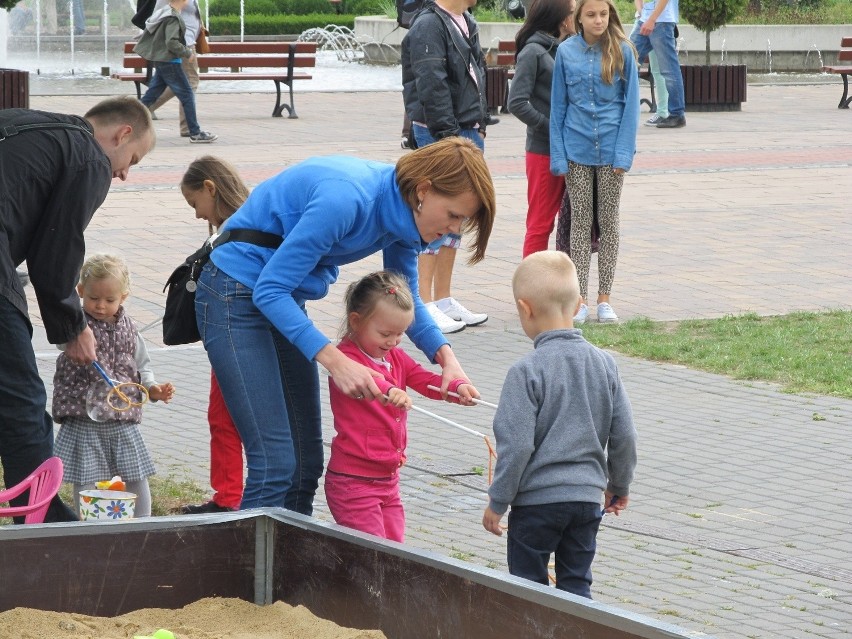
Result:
<point x="250" y="236"/>
<point x="13" y="129"/>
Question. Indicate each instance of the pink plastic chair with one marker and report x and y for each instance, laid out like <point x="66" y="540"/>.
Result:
<point x="43" y="484"/>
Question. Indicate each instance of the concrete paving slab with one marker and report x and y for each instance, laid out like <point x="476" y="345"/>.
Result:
<point x="737" y="526"/>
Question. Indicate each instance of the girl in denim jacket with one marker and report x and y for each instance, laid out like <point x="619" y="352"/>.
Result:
<point x="593" y="120"/>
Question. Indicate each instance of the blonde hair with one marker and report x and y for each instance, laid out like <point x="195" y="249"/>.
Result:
<point x="547" y="281"/>
<point x="363" y="296"/>
<point x="612" y="58"/>
<point x="102" y="266"/>
<point x="453" y="166"/>
<point x="231" y="191"/>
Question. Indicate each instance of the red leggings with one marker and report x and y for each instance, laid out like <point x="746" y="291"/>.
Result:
<point x="226" y="451"/>
<point x="544" y="195"/>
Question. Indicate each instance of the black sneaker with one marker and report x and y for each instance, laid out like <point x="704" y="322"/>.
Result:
<point x="206" y="507"/>
<point x="203" y="137"/>
<point x="672" y="122"/>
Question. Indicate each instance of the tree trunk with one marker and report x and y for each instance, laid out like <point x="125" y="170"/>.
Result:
<point x="707" y="48"/>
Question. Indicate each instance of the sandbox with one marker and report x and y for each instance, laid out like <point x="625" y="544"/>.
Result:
<point x="267" y="555"/>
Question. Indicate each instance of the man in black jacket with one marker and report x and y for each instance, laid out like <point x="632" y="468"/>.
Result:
<point x="55" y="171"/>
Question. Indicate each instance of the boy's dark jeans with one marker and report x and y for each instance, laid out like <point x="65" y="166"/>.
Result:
<point x="171" y="75"/>
<point x="568" y="529"/>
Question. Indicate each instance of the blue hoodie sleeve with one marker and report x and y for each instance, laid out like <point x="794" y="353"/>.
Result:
<point x="558" y="112"/>
<point x="625" y="144"/>
<point x="333" y="210"/>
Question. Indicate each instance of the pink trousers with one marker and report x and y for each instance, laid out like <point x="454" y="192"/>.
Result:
<point x="370" y="505"/>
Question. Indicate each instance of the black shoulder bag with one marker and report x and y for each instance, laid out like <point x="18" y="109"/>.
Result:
<point x="179" y="324"/>
<point x="14" y="129"/>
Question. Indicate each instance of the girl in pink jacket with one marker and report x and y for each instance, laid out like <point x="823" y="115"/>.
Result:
<point x="362" y="478"/>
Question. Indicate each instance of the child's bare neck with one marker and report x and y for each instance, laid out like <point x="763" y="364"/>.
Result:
<point x="456" y="7"/>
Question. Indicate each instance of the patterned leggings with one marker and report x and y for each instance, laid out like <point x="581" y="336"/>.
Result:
<point x="580" y="184"/>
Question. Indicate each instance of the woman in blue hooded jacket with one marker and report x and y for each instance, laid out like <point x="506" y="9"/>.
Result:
<point x="250" y="303"/>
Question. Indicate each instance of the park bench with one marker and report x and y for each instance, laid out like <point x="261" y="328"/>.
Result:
<point x="506" y="61"/>
<point x="227" y="61"/>
<point x="845" y="70"/>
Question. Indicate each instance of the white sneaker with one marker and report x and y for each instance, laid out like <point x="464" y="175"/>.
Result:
<point x="446" y="324"/>
<point x="452" y="309"/>
<point x="606" y="314"/>
<point x="582" y="314"/>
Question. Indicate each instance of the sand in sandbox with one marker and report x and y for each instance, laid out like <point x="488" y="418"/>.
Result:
<point x="205" y="619"/>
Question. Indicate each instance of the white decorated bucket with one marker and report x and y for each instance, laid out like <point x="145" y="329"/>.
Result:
<point x="107" y="505"/>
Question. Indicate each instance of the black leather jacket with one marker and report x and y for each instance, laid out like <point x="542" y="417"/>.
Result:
<point x="437" y="85"/>
<point x="51" y="183"/>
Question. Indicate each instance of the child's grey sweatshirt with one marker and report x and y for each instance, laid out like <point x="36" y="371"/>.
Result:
<point x="564" y="426"/>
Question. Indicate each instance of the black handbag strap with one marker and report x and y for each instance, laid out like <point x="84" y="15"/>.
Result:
<point x="250" y="236"/>
<point x="14" y="129"/>
<point x="198" y="259"/>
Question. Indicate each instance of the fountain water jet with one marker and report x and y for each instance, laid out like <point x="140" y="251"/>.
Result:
<point x="769" y="55"/>
<point x="4" y="37"/>
<point x="350" y="48"/>
<point x="819" y="56"/>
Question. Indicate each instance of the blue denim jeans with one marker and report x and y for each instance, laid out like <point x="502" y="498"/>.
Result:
<point x="271" y="390"/>
<point x="26" y="430"/>
<point x="423" y="137"/>
<point x="171" y="75"/>
<point x="662" y="42"/>
<point x="568" y="529"/>
<point x="79" y="17"/>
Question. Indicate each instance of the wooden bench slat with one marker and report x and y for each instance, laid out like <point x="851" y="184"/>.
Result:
<point x="141" y="77"/>
<point x="846" y="41"/>
<point x="250" y="47"/>
<point x="206" y="60"/>
<point x="844" y="54"/>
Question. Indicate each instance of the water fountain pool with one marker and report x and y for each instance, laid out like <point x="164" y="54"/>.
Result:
<point x="74" y="64"/>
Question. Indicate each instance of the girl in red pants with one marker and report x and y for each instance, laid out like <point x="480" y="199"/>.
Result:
<point x="212" y="187"/>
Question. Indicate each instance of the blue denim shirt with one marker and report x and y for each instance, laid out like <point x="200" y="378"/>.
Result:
<point x="591" y="122"/>
<point x="670" y="13"/>
<point x="331" y="211"/>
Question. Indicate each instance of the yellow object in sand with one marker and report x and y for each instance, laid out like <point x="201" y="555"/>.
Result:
<point x="160" y="634"/>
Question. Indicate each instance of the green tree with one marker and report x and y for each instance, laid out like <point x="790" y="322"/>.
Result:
<point x="7" y="4"/>
<point x="709" y="15"/>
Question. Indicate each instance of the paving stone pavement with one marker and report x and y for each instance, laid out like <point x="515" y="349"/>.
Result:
<point x="738" y="525"/>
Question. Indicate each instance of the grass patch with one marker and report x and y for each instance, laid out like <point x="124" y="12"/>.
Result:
<point x="802" y="352"/>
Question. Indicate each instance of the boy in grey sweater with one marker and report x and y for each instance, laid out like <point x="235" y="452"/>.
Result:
<point x="163" y="43"/>
<point x="564" y="432"/>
